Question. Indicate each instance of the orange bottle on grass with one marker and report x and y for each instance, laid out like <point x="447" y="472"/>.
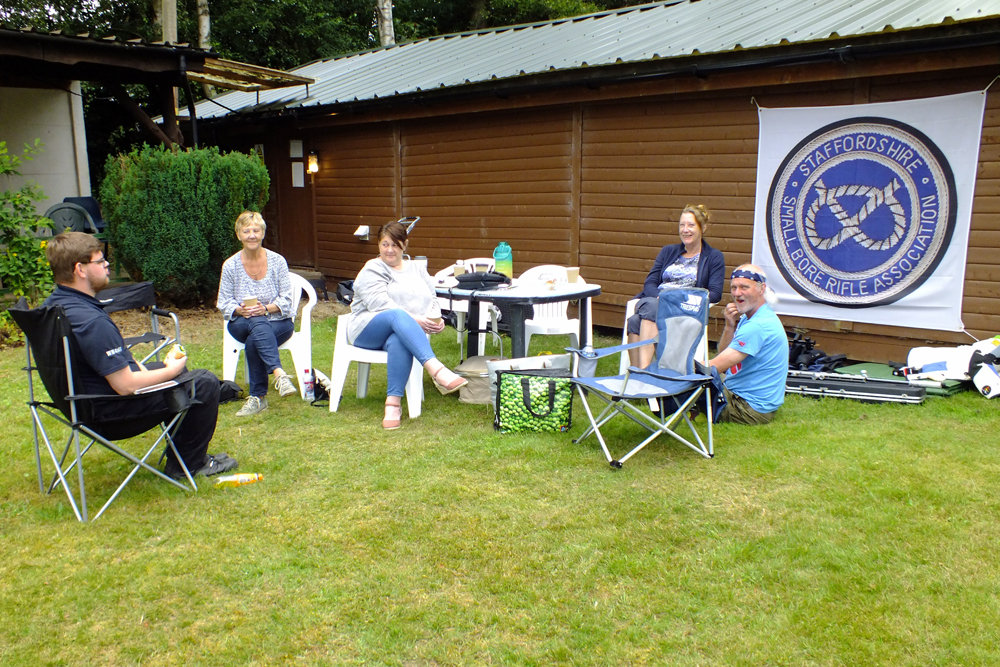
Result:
<point x="239" y="479"/>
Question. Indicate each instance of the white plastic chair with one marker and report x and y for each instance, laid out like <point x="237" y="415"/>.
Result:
<point x="461" y="307"/>
<point x="344" y="353"/>
<point x="300" y="343"/>
<point x="624" y="363"/>
<point x="550" y="319"/>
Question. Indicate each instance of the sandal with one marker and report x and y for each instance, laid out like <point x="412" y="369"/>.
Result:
<point x="393" y="417"/>
<point x="456" y="383"/>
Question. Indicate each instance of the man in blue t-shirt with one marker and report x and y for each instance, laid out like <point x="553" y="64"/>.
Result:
<point x="753" y="351"/>
<point x="105" y="366"/>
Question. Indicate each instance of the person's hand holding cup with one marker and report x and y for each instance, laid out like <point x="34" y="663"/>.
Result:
<point x="434" y="325"/>
<point x="252" y="307"/>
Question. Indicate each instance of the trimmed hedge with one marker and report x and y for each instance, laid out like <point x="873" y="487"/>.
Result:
<point x="170" y="214"/>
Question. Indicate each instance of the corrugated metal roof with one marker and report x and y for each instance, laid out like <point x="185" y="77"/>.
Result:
<point x="631" y="35"/>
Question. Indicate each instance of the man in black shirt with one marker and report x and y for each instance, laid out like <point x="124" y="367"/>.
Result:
<point x="105" y="365"/>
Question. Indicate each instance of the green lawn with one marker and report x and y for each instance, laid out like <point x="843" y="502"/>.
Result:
<point x="840" y="534"/>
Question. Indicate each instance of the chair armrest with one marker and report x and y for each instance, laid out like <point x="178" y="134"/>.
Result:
<point x="711" y="373"/>
<point x="601" y="352"/>
<point x="159" y="312"/>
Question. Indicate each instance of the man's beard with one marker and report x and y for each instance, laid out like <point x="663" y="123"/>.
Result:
<point x="99" y="283"/>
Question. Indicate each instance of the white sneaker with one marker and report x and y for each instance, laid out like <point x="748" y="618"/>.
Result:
<point x="284" y="386"/>
<point x="253" y="405"/>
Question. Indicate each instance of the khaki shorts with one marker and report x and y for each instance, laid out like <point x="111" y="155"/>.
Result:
<point x="738" y="411"/>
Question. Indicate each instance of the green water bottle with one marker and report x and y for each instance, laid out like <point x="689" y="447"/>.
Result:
<point x="504" y="259"/>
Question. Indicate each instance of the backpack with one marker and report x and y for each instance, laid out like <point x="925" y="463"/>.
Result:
<point x="229" y="391"/>
<point x="345" y="292"/>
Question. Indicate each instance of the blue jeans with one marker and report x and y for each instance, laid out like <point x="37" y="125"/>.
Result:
<point x="262" y="338"/>
<point x="402" y="338"/>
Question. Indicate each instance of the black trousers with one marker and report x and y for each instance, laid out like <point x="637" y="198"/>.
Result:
<point x="138" y="414"/>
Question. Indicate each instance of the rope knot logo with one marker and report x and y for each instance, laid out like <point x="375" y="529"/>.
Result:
<point x="861" y="212"/>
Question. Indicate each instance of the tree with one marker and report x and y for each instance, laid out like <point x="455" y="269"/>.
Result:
<point x="386" y="35"/>
<point x="170" y="214"/>
<point x="24" y="270"/>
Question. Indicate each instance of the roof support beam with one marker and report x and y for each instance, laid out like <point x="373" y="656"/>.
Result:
<point x="140" y="116"/>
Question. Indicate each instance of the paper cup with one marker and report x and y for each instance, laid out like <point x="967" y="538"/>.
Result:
<point x="250" y="302"/>
<point x="459" y="269"/>
<point x="572" y="273"/>
<point x="435" y="320"/>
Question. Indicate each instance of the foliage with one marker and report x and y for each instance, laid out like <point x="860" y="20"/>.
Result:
<point x="285" y="35"/>
<point x="170" y="214"/>
<point x="24" y="271"/>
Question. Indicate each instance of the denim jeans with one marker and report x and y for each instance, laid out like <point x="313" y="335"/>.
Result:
<point x="402" y="338"/>
<point x="262" y="338"/>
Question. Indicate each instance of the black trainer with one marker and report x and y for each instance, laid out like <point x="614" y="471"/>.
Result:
<point x="214" y="465"/>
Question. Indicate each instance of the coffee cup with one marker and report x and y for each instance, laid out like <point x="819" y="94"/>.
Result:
<point x="459" y="269"/>
<point x="435" y="320"/>
<point x="250" y="302"/>
<point x="572" y="273"/>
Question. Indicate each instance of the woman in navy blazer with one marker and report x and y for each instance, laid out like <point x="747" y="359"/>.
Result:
<point x="690" y="263"/>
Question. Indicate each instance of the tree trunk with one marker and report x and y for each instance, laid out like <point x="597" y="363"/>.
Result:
<point x="168" y="21"/>
<point x="479" y="8"/>
<point x="205" y="37"/>
<point x="386" y="34"/>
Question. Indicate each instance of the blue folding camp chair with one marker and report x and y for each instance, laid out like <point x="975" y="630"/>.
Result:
<point x="674" y="378"/>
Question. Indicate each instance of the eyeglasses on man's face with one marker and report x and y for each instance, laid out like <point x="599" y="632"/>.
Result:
<point x="101" y="260"/>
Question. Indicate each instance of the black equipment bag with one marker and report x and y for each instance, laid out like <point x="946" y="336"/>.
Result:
<point x="481" y="280"/>
<point x="345" y="292"/>
<point x="229" y="391"/>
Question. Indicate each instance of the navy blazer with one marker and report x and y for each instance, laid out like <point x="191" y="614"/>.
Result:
<point x="711" y="270"/>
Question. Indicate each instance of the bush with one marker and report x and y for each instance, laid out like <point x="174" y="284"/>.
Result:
<point x="170" y="214"/>
<point x="24" y="270"/>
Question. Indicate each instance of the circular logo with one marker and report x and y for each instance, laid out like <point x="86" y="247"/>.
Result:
<point x="861" y="212"/>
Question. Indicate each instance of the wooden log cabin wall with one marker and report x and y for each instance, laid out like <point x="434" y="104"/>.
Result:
<point x="596" y="177"/>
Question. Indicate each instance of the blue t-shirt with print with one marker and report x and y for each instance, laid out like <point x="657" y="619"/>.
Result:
<point x="760" y="378"/>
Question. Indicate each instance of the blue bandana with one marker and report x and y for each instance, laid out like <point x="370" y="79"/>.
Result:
<point x="749" y="275"/>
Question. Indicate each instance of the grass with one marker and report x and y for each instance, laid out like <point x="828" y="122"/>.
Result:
<point x="840" y="534"/>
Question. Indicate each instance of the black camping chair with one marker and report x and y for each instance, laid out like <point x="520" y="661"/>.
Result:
<point x="49" y="341"/>
<point x="136" y="296"/>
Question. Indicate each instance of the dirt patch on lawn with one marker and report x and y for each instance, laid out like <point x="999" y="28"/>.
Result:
<point x="199" y="324"/>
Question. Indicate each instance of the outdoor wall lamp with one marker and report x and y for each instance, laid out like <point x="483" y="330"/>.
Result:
<point x="313" y="162"/>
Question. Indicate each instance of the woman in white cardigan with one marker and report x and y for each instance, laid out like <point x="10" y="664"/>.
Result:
<point x="394" y="308"/>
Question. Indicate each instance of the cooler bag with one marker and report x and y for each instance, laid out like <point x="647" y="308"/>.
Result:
<point x="533" y="401"/>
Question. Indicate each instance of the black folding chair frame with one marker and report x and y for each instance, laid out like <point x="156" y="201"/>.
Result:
<point x="78" y="500"/>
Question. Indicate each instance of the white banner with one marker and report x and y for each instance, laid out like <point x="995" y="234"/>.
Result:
<point x="862" y="211"/>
